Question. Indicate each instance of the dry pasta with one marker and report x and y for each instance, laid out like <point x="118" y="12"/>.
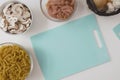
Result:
<point x="14" y="63"/>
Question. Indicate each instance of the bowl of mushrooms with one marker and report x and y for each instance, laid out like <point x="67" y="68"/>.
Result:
<point x="15" y="17"/>
<point x="104" y="7"/>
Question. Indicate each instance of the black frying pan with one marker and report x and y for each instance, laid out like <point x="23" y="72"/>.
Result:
<point x="93" y="7"/>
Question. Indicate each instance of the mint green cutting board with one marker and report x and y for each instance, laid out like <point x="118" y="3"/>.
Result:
<point x="70" y="48"/>
<point x="117" y="30"/>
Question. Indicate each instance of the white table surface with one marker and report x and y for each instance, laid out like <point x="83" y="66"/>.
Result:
<point x="108" y="71"/>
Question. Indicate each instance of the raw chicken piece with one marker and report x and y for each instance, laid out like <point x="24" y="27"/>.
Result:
<point x="60" y="9"/>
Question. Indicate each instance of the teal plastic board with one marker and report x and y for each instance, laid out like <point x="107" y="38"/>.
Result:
<point x="70" y="48"/>
<point x="117" y="31"/>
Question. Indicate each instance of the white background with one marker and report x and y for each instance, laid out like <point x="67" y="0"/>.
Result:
<point x="108" y="71"/>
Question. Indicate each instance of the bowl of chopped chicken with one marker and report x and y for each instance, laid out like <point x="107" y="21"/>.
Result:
<point x="58" y="10"/>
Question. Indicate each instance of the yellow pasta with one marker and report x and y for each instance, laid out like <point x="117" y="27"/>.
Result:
<point x="14" y="63"/>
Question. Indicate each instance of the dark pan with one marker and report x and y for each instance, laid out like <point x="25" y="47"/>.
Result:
<point x="93" y="7"/>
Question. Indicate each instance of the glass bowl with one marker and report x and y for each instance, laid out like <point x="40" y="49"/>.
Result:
<point x="14" y="1"/>
<point x="43" y="8"/>
<point x="30" y="56"/>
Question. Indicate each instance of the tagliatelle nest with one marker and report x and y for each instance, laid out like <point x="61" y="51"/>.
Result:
<point x="14" y="63"/>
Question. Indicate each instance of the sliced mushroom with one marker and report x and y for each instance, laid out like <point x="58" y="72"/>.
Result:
<point x="22" y="28"/>
<point x="7" y="9"/>
<point x="2" y="24"/>
<point x="13" y="31"/>
<point x="16" y="27"/>
<point x="18" y="9"/>
<point x="28" y="21"/>
<point x="116" y="3"/>
<point x="110" y="7"/>
<point x="12" y="20"/>
<point x="26" y="14"/>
